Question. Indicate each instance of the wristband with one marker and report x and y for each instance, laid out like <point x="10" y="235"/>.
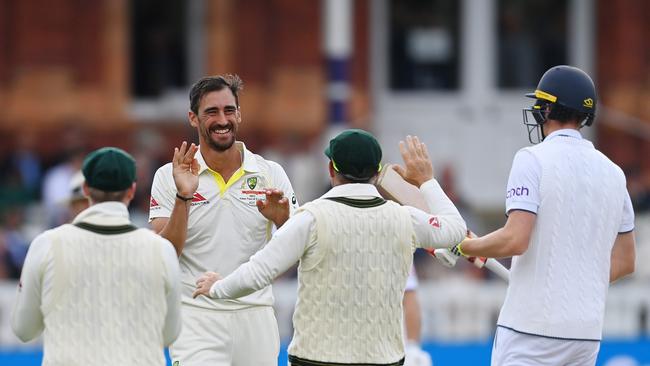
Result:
<point x="184" y="199"/>
<point x="457" y="250"/>
<point x="460" y="251"/>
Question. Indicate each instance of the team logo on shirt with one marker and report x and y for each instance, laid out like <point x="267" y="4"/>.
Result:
<point x="251" y="182"/>
<point x="255" y="182"/>
<point x="433" y="221"/>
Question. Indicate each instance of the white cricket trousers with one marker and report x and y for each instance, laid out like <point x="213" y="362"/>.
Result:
<point x="512" y="348"/>
<point x="244" y="337"/>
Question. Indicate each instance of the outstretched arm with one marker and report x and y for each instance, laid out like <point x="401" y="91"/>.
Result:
<point x="287" y="246"/>
<point x="510" y="240"/>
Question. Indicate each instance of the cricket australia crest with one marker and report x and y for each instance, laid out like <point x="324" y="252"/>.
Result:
<point x="251" y="182"/>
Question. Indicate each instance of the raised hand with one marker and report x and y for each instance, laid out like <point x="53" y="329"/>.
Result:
<point x="185" y="169"/>
<point x="275" y="207"/>
<point x="205" y="282"/>
<point x="418" y="167"/>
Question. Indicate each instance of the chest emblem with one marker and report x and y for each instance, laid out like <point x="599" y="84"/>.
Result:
<point x="252" y="189"/>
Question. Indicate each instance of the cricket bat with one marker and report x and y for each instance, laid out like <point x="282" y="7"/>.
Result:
<point x="393" y="187"/>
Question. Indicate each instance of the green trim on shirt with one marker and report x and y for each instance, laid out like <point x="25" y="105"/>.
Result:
<point x="106" y="230"/>
<point x="366" y="203"/>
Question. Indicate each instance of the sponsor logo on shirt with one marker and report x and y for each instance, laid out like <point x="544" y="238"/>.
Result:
<point x="433" y="221"/>
<point x="198" y="200"/>
<point x="248" y="194"/>
<point x="517" y="192"/>
<point x="153" y="203"/>
<point x="251" y="196"/>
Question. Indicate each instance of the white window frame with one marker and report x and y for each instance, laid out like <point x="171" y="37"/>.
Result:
<point x="457" y="124"/>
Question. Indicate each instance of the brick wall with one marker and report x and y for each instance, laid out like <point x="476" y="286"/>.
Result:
<point x="623" y="53"/>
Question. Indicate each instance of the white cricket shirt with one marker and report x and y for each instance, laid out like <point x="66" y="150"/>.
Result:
<point x="224" y="226"/>
<point x="99" y="293"/>
<point x="558" y="286"/>
<point x="523" y="184"/>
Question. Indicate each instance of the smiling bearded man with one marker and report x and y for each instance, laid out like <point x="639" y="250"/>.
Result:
<point x="218" y="208"/>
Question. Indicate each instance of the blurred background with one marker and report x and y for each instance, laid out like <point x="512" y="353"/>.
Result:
<point x="76" y="75"/>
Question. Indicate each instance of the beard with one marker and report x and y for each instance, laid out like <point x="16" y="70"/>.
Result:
<point x="219" y="145"/>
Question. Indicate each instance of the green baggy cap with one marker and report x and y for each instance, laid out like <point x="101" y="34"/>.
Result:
<point x="109" y="169"/>
<point x="355" y="154"/>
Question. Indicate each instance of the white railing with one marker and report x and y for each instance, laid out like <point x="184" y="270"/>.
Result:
<point x="457" y="308"/>
<point x="460" y="309"/>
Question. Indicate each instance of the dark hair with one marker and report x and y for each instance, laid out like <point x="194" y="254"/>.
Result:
<point x="565" y="115"/>
<point x="345" y="179"/>
<point x="214" y="83"/>
<point x="98" y="196"/>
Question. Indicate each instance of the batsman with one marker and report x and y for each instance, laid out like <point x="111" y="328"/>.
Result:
<point x="355" y="251"/>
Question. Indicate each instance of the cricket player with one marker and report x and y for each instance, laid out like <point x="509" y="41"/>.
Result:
<point x="77" y="202"/>
<point x="355" y="251"/>
<point x="102" y="291"/>
<point x="569" y="229"/>
<point x="414" y="355"/>
<point x="214" y="207"/>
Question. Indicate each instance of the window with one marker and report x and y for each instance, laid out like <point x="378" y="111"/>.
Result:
<point x="532" y="37"/>
<point x="424" y="44"/>
<point x="158" y="53"/>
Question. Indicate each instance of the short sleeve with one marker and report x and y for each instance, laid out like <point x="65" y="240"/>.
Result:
<point x="522" y="192"/>
<point x="281" y="181"/>
<point x="627" y="220"/>
<point x="162" y="193"/>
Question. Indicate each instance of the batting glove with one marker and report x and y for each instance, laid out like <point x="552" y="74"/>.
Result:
<point x="445" y="257"/>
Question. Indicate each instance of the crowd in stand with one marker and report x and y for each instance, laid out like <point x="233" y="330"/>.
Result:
<point x="38" y="193"/>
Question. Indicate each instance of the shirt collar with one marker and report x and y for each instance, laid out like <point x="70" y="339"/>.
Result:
<point x="353" y="190"/>
<point x="568" y="132"/>
<point x="112" y="213"/>
<point x="249" y="164"/>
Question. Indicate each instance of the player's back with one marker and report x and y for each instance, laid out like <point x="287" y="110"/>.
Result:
<point x="104" y="297"/>
<point x="558" y="286"/>
<point x="350" y="290"/>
